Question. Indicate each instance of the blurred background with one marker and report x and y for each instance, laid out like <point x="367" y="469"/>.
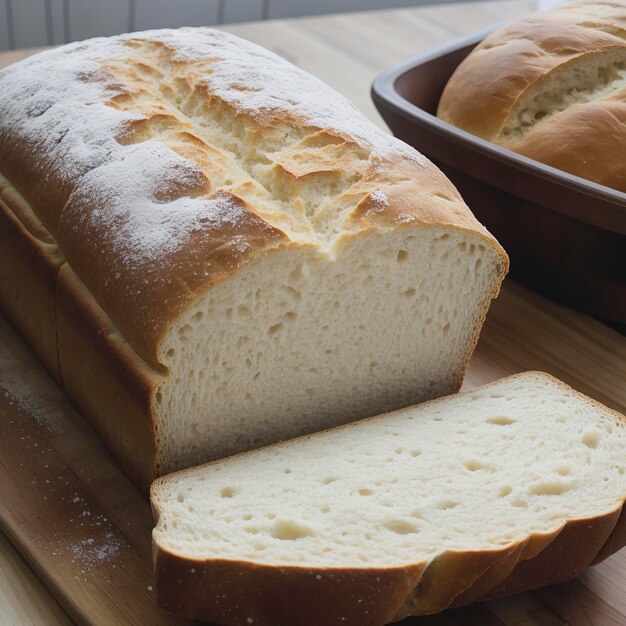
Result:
<point x="33" y="23"/>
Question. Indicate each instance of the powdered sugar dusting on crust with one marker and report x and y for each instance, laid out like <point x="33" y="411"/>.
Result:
<point x="380" y="199"/>
<point x="55" y="108"/>
<point x="55" y="102"/>
<point x="378" y="202"/>
<point x="133" y="205"/>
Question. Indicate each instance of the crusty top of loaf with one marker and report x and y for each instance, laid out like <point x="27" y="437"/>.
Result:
<point x="551" y="86"/>
<point x="160" y="162"/>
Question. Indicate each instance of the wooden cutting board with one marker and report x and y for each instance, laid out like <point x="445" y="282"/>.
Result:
<point x="71" y="512"/>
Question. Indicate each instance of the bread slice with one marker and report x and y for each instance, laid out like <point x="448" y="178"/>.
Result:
<point x="513" y="485"/>
<point x="190" y="226"/>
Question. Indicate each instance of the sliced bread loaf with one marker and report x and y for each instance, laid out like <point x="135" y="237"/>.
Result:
<point x="190" y="225"/>
<point x="514" y="485"/>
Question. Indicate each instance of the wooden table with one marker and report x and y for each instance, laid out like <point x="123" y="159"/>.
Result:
<point x="524" y="330"/>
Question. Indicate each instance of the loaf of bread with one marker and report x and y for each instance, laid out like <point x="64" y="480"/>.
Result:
<point x="514" y="485"/>
<point x="551" y="86"/>
<point x="212" y="250"/>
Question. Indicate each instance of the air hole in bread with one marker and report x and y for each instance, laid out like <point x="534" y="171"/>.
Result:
<point x="289" y="530"/>
<point x="183" y="331"/>
<point x="501" y="421"/>
<point x="549" y="488"/>
<point x="591" y="440"/>
<point x="401" y="527"/>
<point x="228" y="492"/>
<point x="504" y="491"/>
<point x="473" y="465"/>
<point x="274" y="328"/>
<point x="448" y="504"/>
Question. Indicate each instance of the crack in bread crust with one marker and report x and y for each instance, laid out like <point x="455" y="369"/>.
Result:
<point x="587" y="78"/>
<point x="268" y="169"/>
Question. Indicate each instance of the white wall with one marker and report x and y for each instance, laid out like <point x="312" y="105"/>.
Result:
<point x="29" y="23"/>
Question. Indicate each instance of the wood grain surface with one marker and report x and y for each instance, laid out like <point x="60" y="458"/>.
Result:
<point x="83" y="531"/>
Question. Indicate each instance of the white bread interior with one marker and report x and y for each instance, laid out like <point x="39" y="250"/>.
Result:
<point x="310" y="338"/>
<point x="471" y="472"/>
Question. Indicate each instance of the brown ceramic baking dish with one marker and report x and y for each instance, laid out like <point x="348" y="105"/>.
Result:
<point x="566" y="236"/>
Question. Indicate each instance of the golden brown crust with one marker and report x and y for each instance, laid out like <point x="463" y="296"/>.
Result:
<point x="415" y="193"/>
<point x="43" y="299"/>
<point x="276" y="596"/>
<point x="27" y="285"/>
<point x="512" y="64"/>
<point x="616" y="541"/>
<point x="244" y="593"/>
<point x="104" y="377"/>
<point x="453" y="579"/>
<point x="447" y="576"/>
<point x="576" y="546"/>
<point x="498" y="571"/>
<point x="600" y="133"/>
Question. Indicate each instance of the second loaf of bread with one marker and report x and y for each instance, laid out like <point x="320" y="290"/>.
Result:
<point x="551" y="86"/>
